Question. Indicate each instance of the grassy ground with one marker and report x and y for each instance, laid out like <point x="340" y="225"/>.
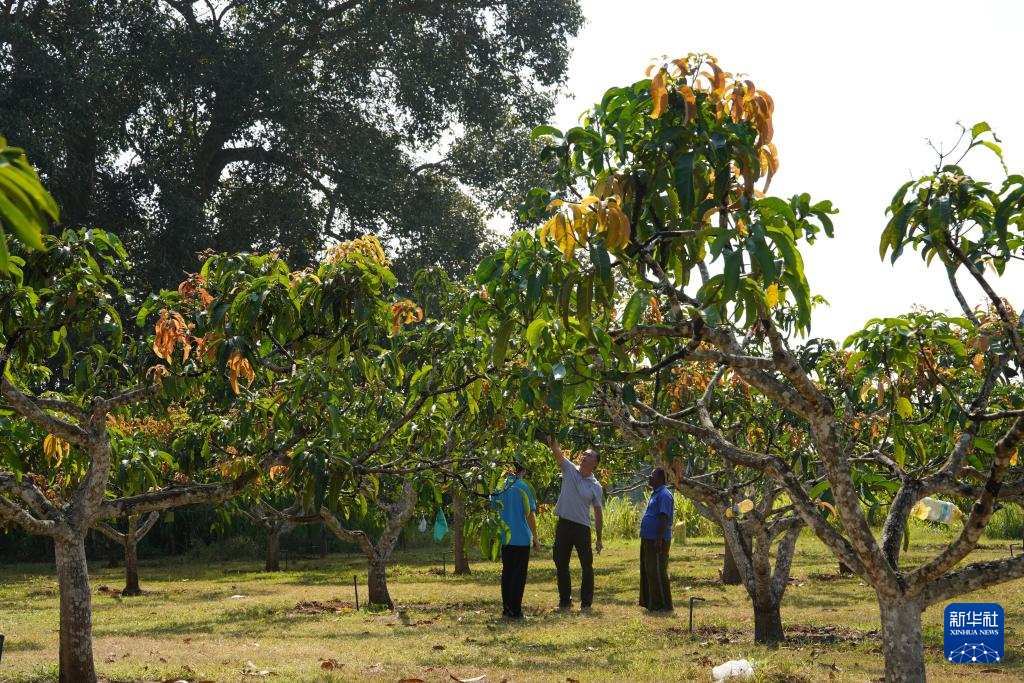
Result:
<point x="228" y="623"/>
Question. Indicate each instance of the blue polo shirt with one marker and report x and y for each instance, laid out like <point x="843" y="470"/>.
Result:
<point x="515" y="502"/>
<point x="661" y="502"/>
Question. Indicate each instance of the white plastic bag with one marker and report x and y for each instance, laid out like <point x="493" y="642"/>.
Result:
<point x="423" y="524"/>
<point x="733" y="669"/>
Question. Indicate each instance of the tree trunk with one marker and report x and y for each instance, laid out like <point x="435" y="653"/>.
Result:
<point x="114" y="558"/>
<point x="902" y="644"/>
<point x="273" y="550"/>
<point x="131" y="570"/>
<point x="458" y="529"/>
<point x="131" y="561"/>
<point x="76" y="663"/>
<point x="768" y="624"/>
<point x="377" y="582"/>
<point x="730" y="572"/>
<point x="844" y="570"/>
<point x="323" y="541"/>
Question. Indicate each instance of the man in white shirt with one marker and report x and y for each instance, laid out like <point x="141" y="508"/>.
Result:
<point x="580" y="491"/>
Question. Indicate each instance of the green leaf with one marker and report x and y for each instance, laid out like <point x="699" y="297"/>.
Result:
<point x="979" y="128"/>
<point x="770" y="206"/>
<point x="684" y="182"/>
<point x="733" y="261"/>
<point x="904" y="408"/>
<point x="545" y="130"/>
<point x="488" y="269"/>
<point x="896" y="231"/>
<point x="819" y="488"/>
<point x="27" y="231"/>
<point x="634" y="309"/>
<point x="565" y="298"/>
<point x="534" y="330"/>
<point x="584" y="313"/>
<point x="984" y="445"/>
<point x="602" y="262"/>
<point x="501" y="342"/>
<point x="5" y="256"/>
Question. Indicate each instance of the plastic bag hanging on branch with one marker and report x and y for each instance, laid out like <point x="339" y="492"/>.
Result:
<point x="423" y="524"/>
<point x="440" y="526"/>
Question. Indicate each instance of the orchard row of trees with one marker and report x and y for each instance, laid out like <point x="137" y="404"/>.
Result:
<point x="657" y="311"/>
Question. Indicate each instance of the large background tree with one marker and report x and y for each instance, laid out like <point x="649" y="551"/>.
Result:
<point x="282" y="124"/>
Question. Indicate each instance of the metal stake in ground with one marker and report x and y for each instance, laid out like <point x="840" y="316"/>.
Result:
<point x="355" y="589"/>
<point x="693" y="599"/>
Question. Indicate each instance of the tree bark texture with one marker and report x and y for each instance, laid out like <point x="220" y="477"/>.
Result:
<point x="902" y="644"/>
<point x="768" y="623"/>
<point x="377" y="581"/>
<point x="273" y="563"/>
<point x="76" y="662"/>
<point x="131" y="562"/>
<point x="730" y="572"/>
<point x="458" y="529"/>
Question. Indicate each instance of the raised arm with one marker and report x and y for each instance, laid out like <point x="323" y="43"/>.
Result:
<point x="556" y="449"/>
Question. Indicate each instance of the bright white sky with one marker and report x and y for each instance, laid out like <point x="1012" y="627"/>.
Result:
<point x="858" y="87"/>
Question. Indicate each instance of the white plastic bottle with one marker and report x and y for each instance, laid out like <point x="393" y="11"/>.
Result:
<point x="937" y="511"/>
<point x="741" y="508"/>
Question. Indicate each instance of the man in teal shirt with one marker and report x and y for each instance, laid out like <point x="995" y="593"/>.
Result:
<point x="516" y="504"/>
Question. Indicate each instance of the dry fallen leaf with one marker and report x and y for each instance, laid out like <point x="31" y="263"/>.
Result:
<point x="411" y="680"/>
<point x="467" y="680"/>
<point x="439" y="647"/>
<point x="329" y="664"/>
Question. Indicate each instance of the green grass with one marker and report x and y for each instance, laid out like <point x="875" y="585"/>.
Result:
<point x="213" y="623"/>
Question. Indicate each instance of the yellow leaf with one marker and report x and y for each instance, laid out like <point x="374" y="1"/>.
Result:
<point x="978" y="361"/>
<point x="564" y="237"/>
<point x="741" y="227"/>
<point x="1013" y="458"/>
<point x="618" y="228"/>
<point x="771" y="295"/>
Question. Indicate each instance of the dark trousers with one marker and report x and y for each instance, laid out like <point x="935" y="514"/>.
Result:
<point x="569" y="535"/>
<point x="655" y="592"/>
<point x="514" y="562"/>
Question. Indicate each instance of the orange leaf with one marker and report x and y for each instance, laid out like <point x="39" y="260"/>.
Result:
<point x="659" y="93"/>
<point x="238" y="366"/>
<point x="690" y="100"/>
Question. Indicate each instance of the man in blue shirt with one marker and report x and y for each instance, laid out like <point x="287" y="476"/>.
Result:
<point x="516" y="504"/>
<point x="655" y="539"/>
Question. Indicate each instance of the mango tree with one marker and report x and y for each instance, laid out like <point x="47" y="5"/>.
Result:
<point x="70" y="370"/>
<point x="383" y="419"/>
<point x="658" y="208"/>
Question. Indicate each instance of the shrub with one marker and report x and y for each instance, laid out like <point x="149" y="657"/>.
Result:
<point x="1007" y="522"/>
